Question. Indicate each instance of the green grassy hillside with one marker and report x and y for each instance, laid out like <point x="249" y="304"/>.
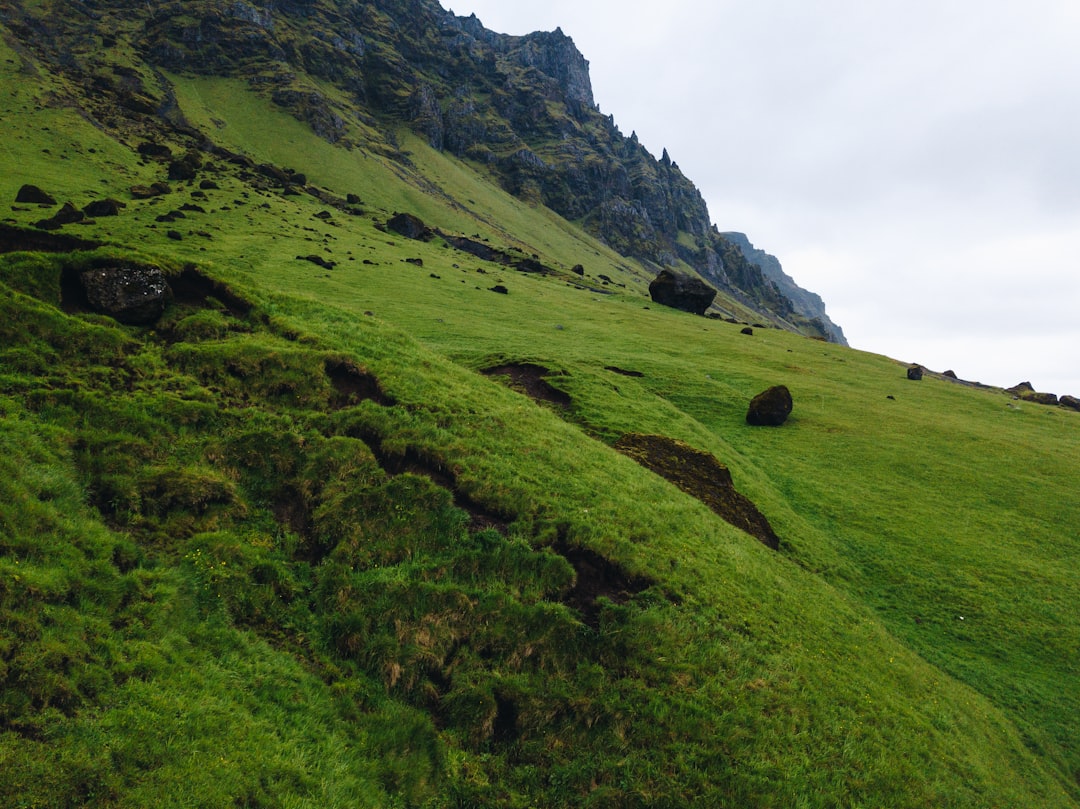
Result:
<point x="290" y="546"/>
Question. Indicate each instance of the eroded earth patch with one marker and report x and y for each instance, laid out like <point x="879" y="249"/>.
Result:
<point x="700" y="475"/>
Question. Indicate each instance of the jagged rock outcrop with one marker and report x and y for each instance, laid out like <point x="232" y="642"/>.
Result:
<point x="807" y="304"/>
<point x="521" y="105"/>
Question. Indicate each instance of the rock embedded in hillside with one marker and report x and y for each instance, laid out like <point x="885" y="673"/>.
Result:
<point x="32" y="194"/>
<point x="1071" y="402"/>
<point x="770" y="408"/>
<point x="915" y="372"/>
<point x="103" y="207"/>
<point x="410" y="226"/>
<point x="68" y="214"/>
<point x="149" y="191"/>
<point x="681" y="291"/>
<point x="747" y="330"/>
<point x="132" y="293"/>
<point x="1023" y="387"/>
<point x="1039" y="398"/>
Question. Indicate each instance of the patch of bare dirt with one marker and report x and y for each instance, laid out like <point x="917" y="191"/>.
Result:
<point x="700" y="475"/>
<point x="194" y="288"/>
<point x="597" y="577"/>
<point x="623" y="371"/>
<point x="353" y="385"/>
<point x="480" y="517"/>
<point x="528" y="378"/>
<point x="13" y="238"/>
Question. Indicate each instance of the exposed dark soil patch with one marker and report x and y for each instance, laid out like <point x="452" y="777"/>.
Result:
<point x="354" y="385"/>
<point x="597" y="577"/>
<point x="416" y="463"/>
<point x="700" y="475"/>
<point x="616" y="370"/>
<point x="193" y="288"/>
<point x="12" y="239"/>
<point x="528" y="378"/>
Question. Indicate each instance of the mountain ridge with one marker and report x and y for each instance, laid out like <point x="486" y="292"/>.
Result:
<point x="520" y="105"/>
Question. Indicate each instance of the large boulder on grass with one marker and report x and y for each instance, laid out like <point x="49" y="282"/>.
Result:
<point x="410" y="226"/>
<point x="132" y="293"/>
<point x="34" y="195"/>
<point x="770" y="408"/>
<point x="681" y="291"/>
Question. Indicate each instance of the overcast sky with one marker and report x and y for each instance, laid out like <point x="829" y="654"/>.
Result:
<point x="914" y="162"/>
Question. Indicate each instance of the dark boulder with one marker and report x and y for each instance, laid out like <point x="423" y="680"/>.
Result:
<point x="149" y="191"/>
<point x="1039" y="398"/>
<point x="500" y="289"/>
<point x="915" y="372"/>
<point x="33" y="194"/>
<point x="681" y="291"/>
<point x="131" y="293"/>
<point x="185" y="168"/>
<point x="158" y="151"/>
<point x="950" y="374"/>
<point x="1023" y="387"/>
<point x="68" y="214"/>
<point x="410" y="226"/>
<point x="104" y="207"/>
<point x="1070" y="402"/>
<point x="747" y="330"/>
<point x="770" y="408"/>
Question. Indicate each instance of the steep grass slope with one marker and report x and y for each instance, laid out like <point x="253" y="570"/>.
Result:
<point x="287" y="547"/>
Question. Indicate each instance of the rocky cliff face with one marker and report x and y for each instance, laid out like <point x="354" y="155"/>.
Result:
<point x="805" y="303"/>
<point x="520" y="106"/>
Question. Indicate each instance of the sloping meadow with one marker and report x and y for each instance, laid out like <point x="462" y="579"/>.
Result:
<point x="288" y="546"/>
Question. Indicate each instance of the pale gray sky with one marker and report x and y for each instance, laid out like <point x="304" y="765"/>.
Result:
<point x="914" y="162"/>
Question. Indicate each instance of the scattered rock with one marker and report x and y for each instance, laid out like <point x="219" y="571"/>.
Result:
<point x="352" y="199"/>
<point x="149" y="191"/>
<point x="33" y="194"/>
<point x="950" y="374"/>
<point x="104" y="207"/>
<point x="319" y="260"/>
<point x="157" y="151"/>
<point x="175" y="235"/>
<point x="915" y="372"/>
<point x="681" y="291"/>
<point x="419" y="262"/>
<point x="770" y="408"/>
<point x="68" y="214"/>
<point x="208" y="185"/>
<point x="500" y="289"/>
<point x="410" y="226"/>
<point x="700" y="475"/>
<point x="1039" y="398"/>
<point x="577" y="269"/>
<point x="747" y="330"/>
<point x="1023" y="387"/>
<point x="1070" y="402"/>
<point x="132" y="293"/>
<point x="186" y="168"/>
<point x="323" y="215"/>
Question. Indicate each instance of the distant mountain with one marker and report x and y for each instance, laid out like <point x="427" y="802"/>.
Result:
<point x="519" y="107"/>
<point x="806" y="303"/>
